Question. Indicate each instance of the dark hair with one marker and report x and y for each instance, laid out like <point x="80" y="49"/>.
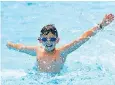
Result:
<point x="49" y="28"/>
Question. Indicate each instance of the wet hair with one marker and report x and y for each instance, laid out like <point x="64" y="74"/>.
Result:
<point x="49" y="28"/>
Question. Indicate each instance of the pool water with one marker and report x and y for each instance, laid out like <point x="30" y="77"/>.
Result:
<point x="92" y="64"/>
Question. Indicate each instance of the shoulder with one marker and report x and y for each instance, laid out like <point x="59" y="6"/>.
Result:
<point x="61" y="52"/>
<point x="38" y="48"/>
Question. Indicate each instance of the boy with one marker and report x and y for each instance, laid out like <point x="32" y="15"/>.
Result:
<point x="51" y="59"/>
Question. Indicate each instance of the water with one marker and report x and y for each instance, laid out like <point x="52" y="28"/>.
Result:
<point x="91" y="64"/>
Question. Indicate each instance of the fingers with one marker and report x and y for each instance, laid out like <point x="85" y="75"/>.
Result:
<point x="113" y="17"/>
<point x="108" y="19"/>
<point x="8" y="43"/>
<point x="110" y="16"/>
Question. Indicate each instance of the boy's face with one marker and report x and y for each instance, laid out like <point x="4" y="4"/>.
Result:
<point x="49" y="41"/>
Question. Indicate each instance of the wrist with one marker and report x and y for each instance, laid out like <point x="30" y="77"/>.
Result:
<point x="100" y="26"/>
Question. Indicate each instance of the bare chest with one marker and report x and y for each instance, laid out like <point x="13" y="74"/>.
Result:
<point x="50" y="62"/>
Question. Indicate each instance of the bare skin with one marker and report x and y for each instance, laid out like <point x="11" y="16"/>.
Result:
<point x="52" y="61"/>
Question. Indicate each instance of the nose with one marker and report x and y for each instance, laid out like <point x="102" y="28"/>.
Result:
<point x="48" y="41"/>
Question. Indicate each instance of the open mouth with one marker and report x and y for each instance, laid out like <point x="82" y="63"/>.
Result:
<point x="49" y="45"/>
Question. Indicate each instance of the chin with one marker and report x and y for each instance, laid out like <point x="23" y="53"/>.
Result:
<point x="49" y="48"/>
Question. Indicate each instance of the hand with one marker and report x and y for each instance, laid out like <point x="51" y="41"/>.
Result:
<point x="17" y="46"/>
<point x="107" y="20"/>
<point x="9" y="44"/>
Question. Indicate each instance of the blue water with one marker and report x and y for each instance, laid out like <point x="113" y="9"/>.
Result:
<point x="92" y="64"/>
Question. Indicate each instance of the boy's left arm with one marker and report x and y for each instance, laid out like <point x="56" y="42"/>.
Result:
<point x="66" y="49"/>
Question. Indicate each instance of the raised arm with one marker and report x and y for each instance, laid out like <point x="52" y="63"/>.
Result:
<point x="31" y="50"/>
<point x="68" y="48"/>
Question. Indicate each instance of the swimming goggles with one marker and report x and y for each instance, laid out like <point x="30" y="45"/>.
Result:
<point x="44" y="39"/>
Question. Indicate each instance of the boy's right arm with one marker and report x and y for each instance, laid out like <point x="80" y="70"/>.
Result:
<point x="31" y="50"/>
